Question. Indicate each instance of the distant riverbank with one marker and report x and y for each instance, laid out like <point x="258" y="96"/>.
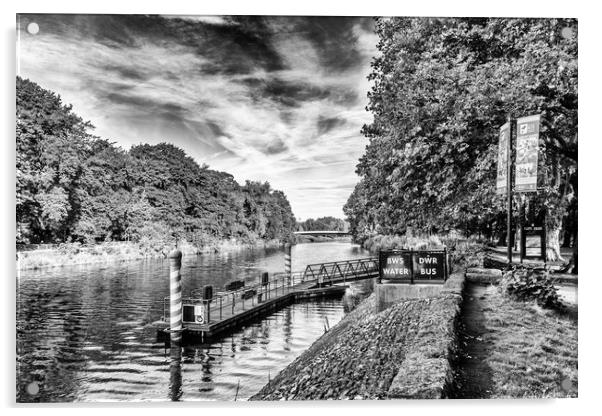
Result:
<point x="75" y="253"/>
<point x="319" y="238"/>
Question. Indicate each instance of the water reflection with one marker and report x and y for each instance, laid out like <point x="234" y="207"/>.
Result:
<point x="175" y="370"/>
<point x="84" y="333"/>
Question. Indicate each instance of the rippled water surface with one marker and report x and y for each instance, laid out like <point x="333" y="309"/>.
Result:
<point x="84" y="334"/>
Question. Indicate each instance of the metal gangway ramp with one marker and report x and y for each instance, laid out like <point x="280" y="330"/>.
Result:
<point x="342" y="271"/>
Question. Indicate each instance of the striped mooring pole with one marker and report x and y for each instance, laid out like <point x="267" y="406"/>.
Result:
<point x="287" y="261"/>
<point x="175" y="295"/>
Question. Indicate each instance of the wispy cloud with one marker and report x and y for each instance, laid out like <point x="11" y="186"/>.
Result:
<point x="278" y="99"/>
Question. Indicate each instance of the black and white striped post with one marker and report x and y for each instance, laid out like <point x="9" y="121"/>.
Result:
<point x="175" y="295"/>
<point x="287" y="261"/>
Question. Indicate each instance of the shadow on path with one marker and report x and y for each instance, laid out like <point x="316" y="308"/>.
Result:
<point x="473" y="376"/>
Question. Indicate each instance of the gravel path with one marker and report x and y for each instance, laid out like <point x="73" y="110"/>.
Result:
<point x="473" y="380"/>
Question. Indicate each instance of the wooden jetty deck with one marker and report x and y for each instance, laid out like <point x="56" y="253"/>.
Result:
<point x="228" y="310"/>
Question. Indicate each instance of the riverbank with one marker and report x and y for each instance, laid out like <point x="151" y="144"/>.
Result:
<point x="469" y="342"/>
<point x="111" y="252"/>
<point x="300" y="239"/>
<point x="402" y="352"/>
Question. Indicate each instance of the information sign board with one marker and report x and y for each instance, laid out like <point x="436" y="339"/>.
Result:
<point x="527" y="152"/>
<point x="502" y="159"/>
<point x="533" y="242"/>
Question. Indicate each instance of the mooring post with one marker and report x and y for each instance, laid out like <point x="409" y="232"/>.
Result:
<point x="207" y="297"/>
<point x="175" y="295"/>
<point x="287" y="260"/>
<point x="265" y="281"/>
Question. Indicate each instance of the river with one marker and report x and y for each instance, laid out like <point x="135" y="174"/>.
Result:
<point x="84" y="333"/>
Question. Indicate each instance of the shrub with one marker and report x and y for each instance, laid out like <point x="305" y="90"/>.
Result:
<point x="529" y="284"/>
<point x="467" y="253"/>
<point x="388" y="242"/>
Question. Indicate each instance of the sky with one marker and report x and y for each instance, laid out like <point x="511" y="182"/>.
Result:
<point x="277" y="99"/>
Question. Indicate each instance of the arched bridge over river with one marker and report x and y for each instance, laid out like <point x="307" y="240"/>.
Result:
<point x="323" y="233"/>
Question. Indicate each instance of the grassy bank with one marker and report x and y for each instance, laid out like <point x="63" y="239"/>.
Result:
<point x="403" y="351"/>
<point x="515" y="349"/>
<point x="71" y="254"/>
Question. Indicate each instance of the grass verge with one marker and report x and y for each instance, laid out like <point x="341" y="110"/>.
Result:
<point x="525" y="351"/>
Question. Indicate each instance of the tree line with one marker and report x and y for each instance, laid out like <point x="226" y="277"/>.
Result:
<point x="72" y="186"/>
<point x="328" y="223"/>
<point x="442" y="87"/>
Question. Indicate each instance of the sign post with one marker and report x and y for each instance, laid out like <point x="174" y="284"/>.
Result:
<point x="510" y="122"/>
<point x="504" y="181"/>
<point x="532" y="240"/>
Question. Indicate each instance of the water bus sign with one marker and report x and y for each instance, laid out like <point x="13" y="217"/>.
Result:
<point x="395" y="265"/>
<point x="429" y="265"/>
<point x="413" y="266"/>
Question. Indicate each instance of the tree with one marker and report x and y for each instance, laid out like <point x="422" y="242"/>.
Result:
<point x="52" y="144"/>
<point x="72" y="186"/>
<point x="322" y="224"/>
<point x="442" y="87"/>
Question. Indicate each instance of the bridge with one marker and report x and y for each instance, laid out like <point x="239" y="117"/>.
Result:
<point x="323" y="233"/>
<point x="228" y="310"/>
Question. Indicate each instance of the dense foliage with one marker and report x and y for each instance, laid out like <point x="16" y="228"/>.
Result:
<point x="322" y="224"/>
<point x="442" y="88"/>
<point x="72" y="186"/>
<point x="531" y="285"/>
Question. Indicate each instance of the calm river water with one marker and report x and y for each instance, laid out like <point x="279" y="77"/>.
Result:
<point x="83" y="332"/>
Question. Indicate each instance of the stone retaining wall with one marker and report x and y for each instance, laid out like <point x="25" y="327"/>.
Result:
<point x="388" y="294"/>
<point x="404" y="351"/>
<point x="426" y="372"/>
